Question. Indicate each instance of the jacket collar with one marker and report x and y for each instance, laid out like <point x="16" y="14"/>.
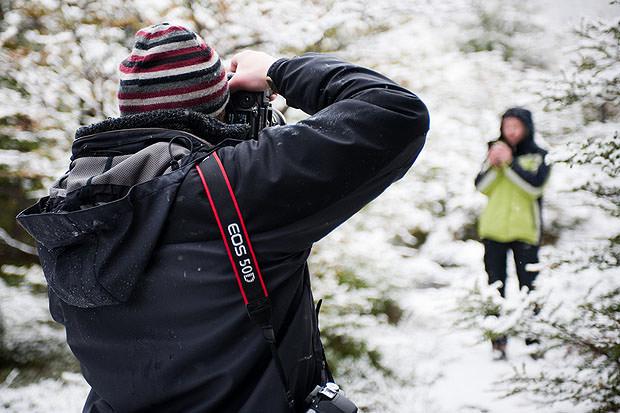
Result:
<point x="128" y="133"/>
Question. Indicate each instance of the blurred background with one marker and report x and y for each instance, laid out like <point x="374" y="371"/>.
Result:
<point x="405" y="317"/>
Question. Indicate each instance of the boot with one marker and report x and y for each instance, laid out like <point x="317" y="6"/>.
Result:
<point x="499" y="348"/>
<point x="537" y="352"/>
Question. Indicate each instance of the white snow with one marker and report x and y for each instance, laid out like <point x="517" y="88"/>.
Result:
<point x="436" y="366"/>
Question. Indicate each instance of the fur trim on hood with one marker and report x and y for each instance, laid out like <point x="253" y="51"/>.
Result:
<point x="204" y="126"/>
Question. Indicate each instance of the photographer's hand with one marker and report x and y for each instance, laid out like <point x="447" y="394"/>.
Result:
<point x="250" y="69"/>
<point x="300" y="181"/>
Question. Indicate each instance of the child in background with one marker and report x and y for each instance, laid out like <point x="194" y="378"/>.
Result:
<point x="512" y="177"/>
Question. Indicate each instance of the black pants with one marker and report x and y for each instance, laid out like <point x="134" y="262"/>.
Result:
<point x="495" y="254"/>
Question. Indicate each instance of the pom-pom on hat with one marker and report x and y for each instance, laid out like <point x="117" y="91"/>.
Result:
<point x="171" y="67"/>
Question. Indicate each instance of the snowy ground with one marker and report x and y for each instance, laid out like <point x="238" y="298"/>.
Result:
<point x="438" y="367"/>
<point x="452" y="370"/>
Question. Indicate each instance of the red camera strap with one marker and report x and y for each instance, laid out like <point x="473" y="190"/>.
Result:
<point x="232" y="229"/>
<point x="241" y="254"/>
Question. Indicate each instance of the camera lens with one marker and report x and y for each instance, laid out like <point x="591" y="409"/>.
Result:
<point x="246" y="101"/>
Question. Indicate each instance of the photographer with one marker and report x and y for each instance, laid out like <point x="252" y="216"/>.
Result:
<point x="131" y="238"/>
<point x="513" y="177"/>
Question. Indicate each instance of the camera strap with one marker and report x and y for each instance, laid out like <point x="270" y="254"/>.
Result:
<point x="241" y="255"/>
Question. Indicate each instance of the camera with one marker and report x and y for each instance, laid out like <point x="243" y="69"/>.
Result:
<point x="254" y="109"/>
<point x="329" y="399"/>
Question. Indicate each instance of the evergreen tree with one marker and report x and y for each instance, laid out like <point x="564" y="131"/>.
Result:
<point x="575" y="310"/>
<point x="591" y="80"/>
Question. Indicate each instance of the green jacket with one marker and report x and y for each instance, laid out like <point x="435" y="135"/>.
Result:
<point x="513" y="211"/>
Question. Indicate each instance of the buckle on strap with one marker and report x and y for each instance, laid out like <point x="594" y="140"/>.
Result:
<point x="259" y="311"/>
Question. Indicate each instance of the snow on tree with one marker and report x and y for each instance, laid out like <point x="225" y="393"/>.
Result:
<point x="591" y="79"/>
<point x="58" y="69"/>
<point x="575" y="309"/>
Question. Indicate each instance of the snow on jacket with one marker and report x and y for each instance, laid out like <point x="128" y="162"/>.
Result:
<point x="139" y="275"/>
<point x="514" y="191"/>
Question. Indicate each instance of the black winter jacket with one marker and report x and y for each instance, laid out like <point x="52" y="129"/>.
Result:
<point x="138" y="273"/>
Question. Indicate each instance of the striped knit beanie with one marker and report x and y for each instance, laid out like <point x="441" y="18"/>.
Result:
<point x="171" y="67"/>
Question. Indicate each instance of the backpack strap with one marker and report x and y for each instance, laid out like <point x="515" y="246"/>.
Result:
<point x="241" y="254"/>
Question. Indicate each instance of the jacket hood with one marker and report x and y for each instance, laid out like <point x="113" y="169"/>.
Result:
<point x="97" y="229"/>
<point x="525" y="116"/>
